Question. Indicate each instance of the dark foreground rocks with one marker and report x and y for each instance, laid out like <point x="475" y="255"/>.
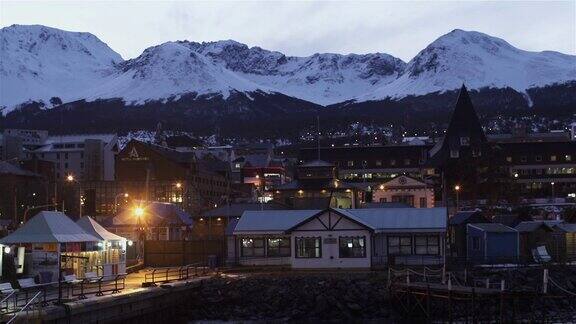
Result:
<point x="291" y="297"/>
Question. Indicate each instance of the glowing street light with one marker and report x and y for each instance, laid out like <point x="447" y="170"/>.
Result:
<point x="178" y="185"/>
<point x="457" y="189"/>
<point x="70" y="178"/>
<point x="138" y="212"/>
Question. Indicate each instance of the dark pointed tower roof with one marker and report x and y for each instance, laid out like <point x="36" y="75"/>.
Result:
<point x="464" y="121"/>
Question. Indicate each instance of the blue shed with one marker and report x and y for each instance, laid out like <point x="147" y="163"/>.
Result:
<point x="492" y="243"/>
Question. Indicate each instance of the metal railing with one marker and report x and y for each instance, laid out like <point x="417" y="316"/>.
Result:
<point x="46" y="293"/>
<point x="28" y="304"/>
<point x="167" y="274"/>
<point x="97" y="286"/>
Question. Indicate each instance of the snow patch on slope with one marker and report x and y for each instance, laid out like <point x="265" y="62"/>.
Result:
<point x="38" y="62"/>
<point x="477" y="60"/>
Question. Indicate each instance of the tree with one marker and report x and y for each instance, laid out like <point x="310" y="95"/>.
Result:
<point x="55" y="101"/>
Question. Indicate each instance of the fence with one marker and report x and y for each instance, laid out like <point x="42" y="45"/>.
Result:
<point x="167" y="274"/>
<point x="44" y="294"/>
<point x="181" y="253"/>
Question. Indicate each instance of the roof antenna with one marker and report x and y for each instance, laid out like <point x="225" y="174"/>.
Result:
<point x="318" y="128"/>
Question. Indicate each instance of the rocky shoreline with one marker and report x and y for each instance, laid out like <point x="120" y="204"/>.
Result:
<point x="291" y="297"/>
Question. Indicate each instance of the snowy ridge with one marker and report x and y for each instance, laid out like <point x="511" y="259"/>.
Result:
<point x="168" y="71"/>
<point x="39" y="62"/>
<point x="478" y="60"/>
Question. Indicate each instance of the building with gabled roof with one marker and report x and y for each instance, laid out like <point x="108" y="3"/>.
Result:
<point x="340" y="238"/>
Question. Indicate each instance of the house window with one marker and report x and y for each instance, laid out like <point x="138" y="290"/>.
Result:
<point x="523" y="158"/>
<point x="568" y="157"/>
<point x="392" y="162"/>
<point x="66" y="156"/>
<point x="475" y="243"/>
<point x="553" y="158"/>
<point x="476" y="152"/>
<point x="454" y="154"/>
<point x="538" y="158"/>
<point x="58" y="156"/>
<point x="350" y="163"/>
<point x="429" y="245"/>
<point x="508" y="159"/>
<point x="66" y="165"/>
<point x="352" y="247"/>
<point x="237" y="165"/>
<point x="308" y="247"/>
<point x="400" y="245"/>
<point x="378" y="162"/>
<point x="423" y="203"/>
<point x="278" y="247"/>
<point x="464" y="141"/>
<point x="252" y="247"/>
<point x="407" y="161"/>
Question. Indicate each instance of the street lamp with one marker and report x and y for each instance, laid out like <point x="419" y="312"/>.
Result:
<point x="139" y="213"/>
<point x="70" y="178"/>
<point x="125" y="195"/>
<point x="457" y="189"/>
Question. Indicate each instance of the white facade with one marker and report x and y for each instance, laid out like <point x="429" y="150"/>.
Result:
<point x="406" y="190"/>
<point x="86" y="157"/>
<point x="331" y="228"/>
<point x="340" y="238"/>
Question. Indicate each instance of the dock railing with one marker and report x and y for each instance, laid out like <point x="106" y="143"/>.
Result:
<point x="168" y="274"/>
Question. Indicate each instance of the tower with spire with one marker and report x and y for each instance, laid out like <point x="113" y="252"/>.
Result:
<point x="464" y="135"/>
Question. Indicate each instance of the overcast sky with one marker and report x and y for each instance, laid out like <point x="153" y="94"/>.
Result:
<point x="400" y="28"/>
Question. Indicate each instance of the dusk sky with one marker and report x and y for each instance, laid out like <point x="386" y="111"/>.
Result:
<point x="400" y="28"/>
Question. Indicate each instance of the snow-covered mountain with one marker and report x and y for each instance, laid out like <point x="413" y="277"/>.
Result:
<point x="39" y="62"/>
<point x="167" y="71"/>
<point x="321" y="78"/>
<point x="478" y="60"/>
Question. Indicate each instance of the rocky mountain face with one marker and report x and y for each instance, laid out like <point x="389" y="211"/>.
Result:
<point x="226" y="81"/>
<point x="479" y="61"/>
<point x="39" y="62"/>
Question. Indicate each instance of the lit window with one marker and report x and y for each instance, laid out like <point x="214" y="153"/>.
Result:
<point x="252" y="247"/>
<point x="352" y="247"/>
<point x="308" y="247"/>
<point x="278" y="247"/>
<point x="237" y="165"/>
<point x="508" y="159"/>
<point x="538" y="158"/>
<point x="392" y="162"/>
<point x="378" y="162"/>
<point x="553" y="158"/>
<point x="454" y="154"/>
<point x="464" y="141"/>
<point x="350" y="163"/>
<point x="568" y="157"/>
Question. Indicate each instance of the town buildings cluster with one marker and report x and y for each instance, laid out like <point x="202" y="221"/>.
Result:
<point x="417" y="201"/>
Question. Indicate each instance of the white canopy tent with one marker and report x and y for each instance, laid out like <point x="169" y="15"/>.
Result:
<point x="93" y="228"/>
<point x="49" y="227"/>
<point x="113" y="247"/>
<point x="46" y="239"/>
